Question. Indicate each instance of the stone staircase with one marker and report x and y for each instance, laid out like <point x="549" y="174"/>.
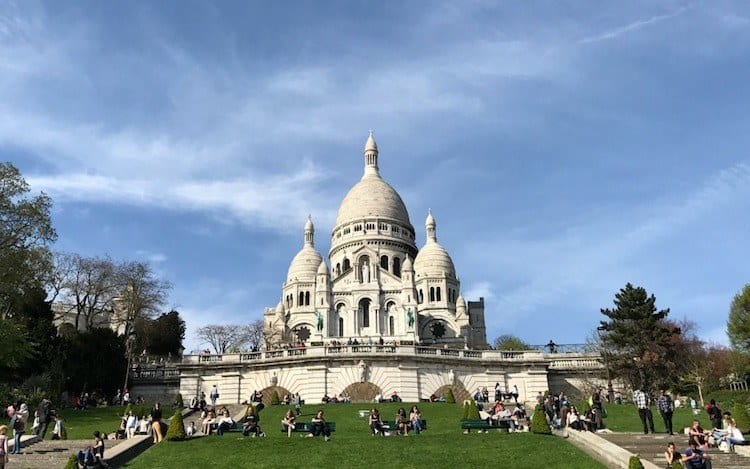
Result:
<point x="651" y="447"/>
<point x="48" y="454"/>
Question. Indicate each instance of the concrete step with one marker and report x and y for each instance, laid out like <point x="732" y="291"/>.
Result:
<point x="50" y="454"/>
<point x="652" y="447"/>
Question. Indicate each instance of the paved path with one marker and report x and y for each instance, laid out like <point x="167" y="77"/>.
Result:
<point x="651" y="447"/>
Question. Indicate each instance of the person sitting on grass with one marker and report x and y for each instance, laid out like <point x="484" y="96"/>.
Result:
<point x="415" y="416"/>
<point x="402" y="422"/>
<point x="225" y="423"/>
<point x="320" y="426"/>
<point x="376" y="423"/>
<point x="288" y="422"/>
<point x="251" y="423"/>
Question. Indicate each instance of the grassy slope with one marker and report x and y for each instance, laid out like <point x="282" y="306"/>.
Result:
<point x="443" y="445"/>
<point x="624" y="418"/>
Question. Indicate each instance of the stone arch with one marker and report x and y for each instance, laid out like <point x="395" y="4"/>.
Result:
<point x="363" y="392"/>
<point x="268" y="392"/>
<point x="459" y="392"/>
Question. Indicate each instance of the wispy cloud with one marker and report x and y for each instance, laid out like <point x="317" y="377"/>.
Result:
<point x="631" y="27"/>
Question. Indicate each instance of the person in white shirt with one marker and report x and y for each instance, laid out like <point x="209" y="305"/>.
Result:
<point x="191" y="429"/>
<point x="131" y="423"/>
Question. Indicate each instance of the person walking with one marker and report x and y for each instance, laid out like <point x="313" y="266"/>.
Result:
<point x="156" y="416"/>
<point x="3" y="446"/>
<point x="666" y="408"/>
<point x="644" y="411"/>
<point x="19" y="427"/>
<point x="214" y="395"/>
<point x="45" y="416"/>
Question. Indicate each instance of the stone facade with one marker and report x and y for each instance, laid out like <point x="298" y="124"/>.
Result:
<point x="379" y="286"/>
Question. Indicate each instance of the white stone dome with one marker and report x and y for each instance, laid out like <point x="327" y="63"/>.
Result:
<point x="433" y="259"/>
<point x="372" y="197"/>
<point x="305" y="264"/>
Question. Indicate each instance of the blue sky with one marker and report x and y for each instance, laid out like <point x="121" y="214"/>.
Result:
<point x="564" y="149"/>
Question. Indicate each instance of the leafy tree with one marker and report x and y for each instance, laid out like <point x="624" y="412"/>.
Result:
<point x="160" y="336"/>
<point x="94" y="360"/>
<point x="738" y="324"/>
<point x="639" y="344"/>
<point x="26" y="233"/>
<point x="511" y="342"/>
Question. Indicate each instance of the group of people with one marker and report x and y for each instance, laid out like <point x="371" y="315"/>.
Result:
<point x="403" y="422"/>
<point x="343" y="398"/>
<point x="482" y="394"/>
<point x="19" y="416"/>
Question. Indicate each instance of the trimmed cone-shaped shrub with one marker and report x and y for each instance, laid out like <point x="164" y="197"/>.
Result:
<point x="72" y="462"/>
<point x="275" y="398"/>
<point x="473" y="412"/>
<point x="449" y="397"/>
<point x="635" y="463"/>
<point x="676" y="465"/>
<point x="179" y="403"/>
<point x="739" y="414"/>
<point x="176" y="431"/>
<point x="539" y="422"/>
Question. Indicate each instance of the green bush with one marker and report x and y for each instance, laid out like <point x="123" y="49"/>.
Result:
<point x="179" y="403"/>
<point x="635" y="463"/>
<point x="275" y="398"/>
<point x="739" y="414"/>
<point x="539" y="423"/>
<point x="449" y="397"/>
<point x="176" y="431"/>
<point x="72" y="462"/>
<point x="676" y="465"/>
<point x="471" y="410"/>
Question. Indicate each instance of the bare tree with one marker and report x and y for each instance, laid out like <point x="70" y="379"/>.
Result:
<point x="223" y="338"/>
<point x="85" y="286"/>
<point x="254" y="335"/>
<point x="142" y="294"/>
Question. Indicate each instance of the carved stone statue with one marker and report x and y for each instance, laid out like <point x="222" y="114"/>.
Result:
<point x="410" y="317"/>
<point x="365" y="272"/>
<point x="319" y="325"/>
<point x="362" y="371"/>
<point x="451" y="377"/>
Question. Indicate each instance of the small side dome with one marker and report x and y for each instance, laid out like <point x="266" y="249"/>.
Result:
<point x="433" y="259"/>
<point x="407" y="266"/>
<point x="460" y="301"/>
<point x="305" y="264"/>
<point x="323" y="269"/>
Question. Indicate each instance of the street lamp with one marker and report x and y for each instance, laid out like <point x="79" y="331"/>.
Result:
<point x="600" y="329"/>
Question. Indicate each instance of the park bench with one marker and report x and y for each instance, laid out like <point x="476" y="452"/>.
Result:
<point x="390" y="425"/>
<point x="306" y="427"/>
<point x="484" y="425"/>
<point x="236" y="427"/>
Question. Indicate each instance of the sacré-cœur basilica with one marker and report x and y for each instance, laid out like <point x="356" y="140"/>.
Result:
<point x="380" y="315"/>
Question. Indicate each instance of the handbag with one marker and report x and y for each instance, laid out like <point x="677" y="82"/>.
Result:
<point x="19" y="425"/>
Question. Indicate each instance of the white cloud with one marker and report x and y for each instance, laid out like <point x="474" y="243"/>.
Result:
<point x="631" y="27"/>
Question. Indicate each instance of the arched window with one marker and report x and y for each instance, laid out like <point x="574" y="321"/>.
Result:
<point x="391" y="326"/>
<point x="341" y="327"/>
<point x="338" y="269"/>
<point x="347" y="265"/>
<point x="432" y="293"/>
<point x="301" y="299"/>
<point x="397" y="267"/>
<point x="384" y="262"/>
<point x="364" y="307"/>
<point x="307" y="297"/>
<point x="437" y="294"/>
<point x="421" y="296"/>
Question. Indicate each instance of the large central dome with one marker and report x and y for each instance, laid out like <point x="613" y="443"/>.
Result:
<point x="372" y="197"/>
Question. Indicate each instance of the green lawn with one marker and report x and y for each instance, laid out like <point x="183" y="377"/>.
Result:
<point x="624" y="418"/>
<point x="442" y="445"/>
<point x="81" y="424"/>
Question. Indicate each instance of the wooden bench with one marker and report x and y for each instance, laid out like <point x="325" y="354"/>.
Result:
<point x="484" y="425"/>
<point x="306" y="427"/>
<point x="391" y="425"/>
<point x="236" y="427"/>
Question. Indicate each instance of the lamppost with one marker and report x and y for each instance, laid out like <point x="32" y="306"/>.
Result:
<point x="600" y="329"/>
